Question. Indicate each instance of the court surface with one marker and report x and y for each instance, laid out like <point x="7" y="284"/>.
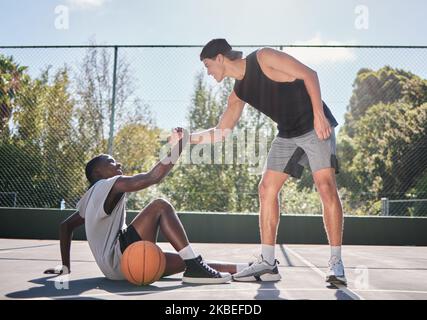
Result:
<point x="373" y="272"/>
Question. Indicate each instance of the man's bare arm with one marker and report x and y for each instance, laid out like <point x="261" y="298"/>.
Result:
<point x="65" y="237"/>
<point x="287" y="64"/>
<point x="227" y="122"/>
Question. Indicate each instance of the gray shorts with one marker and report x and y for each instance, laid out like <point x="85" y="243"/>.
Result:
<point x="291" y="155"/>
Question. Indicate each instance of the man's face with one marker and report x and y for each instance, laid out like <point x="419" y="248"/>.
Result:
<point x="215" y="67"/>
<point x="110" y="168"/>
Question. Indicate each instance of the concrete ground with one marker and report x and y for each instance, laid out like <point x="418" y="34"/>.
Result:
<point x="373" y="272"/>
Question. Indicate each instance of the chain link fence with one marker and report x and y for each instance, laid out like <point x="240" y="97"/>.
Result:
<point x="60" y="106"/>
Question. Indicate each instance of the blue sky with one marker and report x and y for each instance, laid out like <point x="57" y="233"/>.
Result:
<point x="195" y="21"/>
<point x="168" y="78"/>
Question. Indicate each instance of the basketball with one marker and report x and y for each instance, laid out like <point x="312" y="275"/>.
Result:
<point x="143" y="262"/>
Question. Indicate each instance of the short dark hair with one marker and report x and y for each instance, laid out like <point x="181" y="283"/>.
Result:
<point x="219" y="46"/>
<point x="91" y="166"/>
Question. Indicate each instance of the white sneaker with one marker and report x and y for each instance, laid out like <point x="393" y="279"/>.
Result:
<point x="260" y="270"/>
<point x="336" y="274"/>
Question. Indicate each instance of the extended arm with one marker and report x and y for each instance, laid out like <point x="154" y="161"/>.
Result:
<point x="227" y="122"/>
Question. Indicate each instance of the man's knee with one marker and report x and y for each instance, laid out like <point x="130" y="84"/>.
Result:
<point x="327" y="190"/>
<point x="163" y="205"/>
<point x="267" y="191"/>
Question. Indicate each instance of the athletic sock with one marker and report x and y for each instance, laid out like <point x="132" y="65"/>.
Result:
<point x="187" y="253"/>
<point x="241" y="266"/>
<point x="267" y="252"/>
<point x="336" y="252"/>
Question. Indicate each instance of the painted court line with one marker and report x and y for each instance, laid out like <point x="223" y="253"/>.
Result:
<point x="2" y="250"/>
<point x="341" y="287"/>
<point x="391" y="291"/>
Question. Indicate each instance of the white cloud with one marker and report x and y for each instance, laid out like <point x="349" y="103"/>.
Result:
<point x="321" y="55"/>
<point x="86" y="4"/>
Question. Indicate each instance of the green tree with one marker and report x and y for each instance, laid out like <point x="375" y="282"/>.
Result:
<point x="20" y="169"/>
<point x="381" y="145"/>
<point x="12" y="76"/>
<point x="44" y="121"/>
<point x="297" y="200"/>
<point x="386" y="85"/>
<point x="42" y="151"/>
<point x="390" y="140"/>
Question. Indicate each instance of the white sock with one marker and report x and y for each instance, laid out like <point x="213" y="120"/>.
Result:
<point x="267" y="252"/>
<point x="187" y="253"/>
<point x="336" y="251"/>
<point x="241" y="266"/>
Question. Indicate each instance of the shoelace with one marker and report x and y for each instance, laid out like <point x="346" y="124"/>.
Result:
<point x="259" y="260"/>
<point x="208" y="268"/>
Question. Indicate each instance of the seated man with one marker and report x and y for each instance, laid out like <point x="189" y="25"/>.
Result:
<point x="102" y="210"/>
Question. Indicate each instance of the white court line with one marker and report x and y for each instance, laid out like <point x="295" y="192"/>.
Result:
<point x="341" y="287"/>
<point x="392" y="291"/>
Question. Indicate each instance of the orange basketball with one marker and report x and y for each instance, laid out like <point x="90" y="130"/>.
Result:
<point x="143" y="262"/>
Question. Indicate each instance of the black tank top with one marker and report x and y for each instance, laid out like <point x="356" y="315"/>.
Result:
<point x="286" y="103"/>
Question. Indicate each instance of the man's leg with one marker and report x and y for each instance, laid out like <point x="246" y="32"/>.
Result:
<point x="325" y="182"/>
<point x="265" y="269"/>
<point x="332" y="210"/>
<point x="160" y="214"/>
<point x="268" y="191"/>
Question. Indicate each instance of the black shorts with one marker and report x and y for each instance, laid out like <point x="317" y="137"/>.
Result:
<point x="127" y="237"/>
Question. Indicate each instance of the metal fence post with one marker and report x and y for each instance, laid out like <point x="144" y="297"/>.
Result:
<point x="384" y="206"/>
<point x="113" y="104"/>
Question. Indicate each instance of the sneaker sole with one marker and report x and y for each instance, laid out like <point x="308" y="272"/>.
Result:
<point x="267" y="277"/>
<point x="336" y="280"/>
<point x="206" y="280"/>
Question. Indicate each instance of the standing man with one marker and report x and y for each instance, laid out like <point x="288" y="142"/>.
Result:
<point x="288" y="92"/>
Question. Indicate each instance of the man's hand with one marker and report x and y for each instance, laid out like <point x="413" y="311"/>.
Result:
<point x="177" y="134"/>
<point x="322" y="127"/>
<point x="160" y="170"/>
<point x="58" y="270"/>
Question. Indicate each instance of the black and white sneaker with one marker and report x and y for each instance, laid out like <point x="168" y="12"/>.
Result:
<point x="197" y="271"/>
